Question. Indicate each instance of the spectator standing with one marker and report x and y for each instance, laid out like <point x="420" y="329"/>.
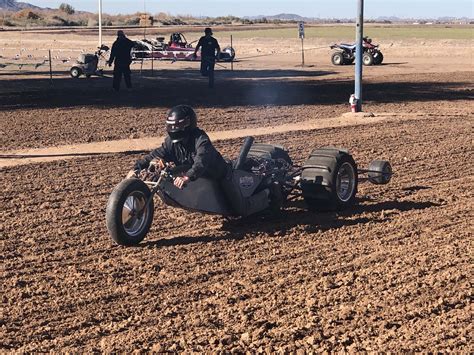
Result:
<point x="122" y="57"/>
<point x="210" y="50"/>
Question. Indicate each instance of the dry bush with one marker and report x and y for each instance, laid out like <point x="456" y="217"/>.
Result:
<point x="26" y="14"/>
<point x="68" y="9"/>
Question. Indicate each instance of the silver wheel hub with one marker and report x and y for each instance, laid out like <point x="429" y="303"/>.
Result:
<point x="134" y="213"/>
<point x="345" y="183"/>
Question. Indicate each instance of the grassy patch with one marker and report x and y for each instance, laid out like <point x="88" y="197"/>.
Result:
<point x="377" y="32"/>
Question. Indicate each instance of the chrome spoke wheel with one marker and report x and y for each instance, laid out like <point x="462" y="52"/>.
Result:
<point x="135" y="213"/>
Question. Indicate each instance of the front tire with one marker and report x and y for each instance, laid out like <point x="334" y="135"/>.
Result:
<point x="75" y="72"/>
<point x="378" y="58"/>
<point x="368" y="59"/>
<point x="128" y="216"/>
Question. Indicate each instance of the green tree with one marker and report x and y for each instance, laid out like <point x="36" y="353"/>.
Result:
<point x="67" y="8"/>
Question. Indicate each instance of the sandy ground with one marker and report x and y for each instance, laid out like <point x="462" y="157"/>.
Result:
<point x="393" y="273"/>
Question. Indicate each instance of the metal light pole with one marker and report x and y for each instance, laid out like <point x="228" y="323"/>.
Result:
<point x="100" y="23"/>
<point x="359" y="53"/>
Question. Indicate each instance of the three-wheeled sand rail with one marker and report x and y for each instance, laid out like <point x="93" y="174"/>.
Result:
<point x="176" y="49"/>
<point x="327" y="181"/>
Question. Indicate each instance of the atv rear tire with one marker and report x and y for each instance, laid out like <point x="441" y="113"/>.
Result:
<point x="367" y="59"/>
<point x="329" y="180"/>
<point x="378" y="58"/>
<point x="337" y="58"/>
<point x="75" y="72"/>
<point x="128" y="215"/>
<point x="380" y="172"/>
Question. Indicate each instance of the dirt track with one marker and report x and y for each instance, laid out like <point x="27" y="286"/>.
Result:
<point x="393" y="273"/>
<point x="328" y="282"/>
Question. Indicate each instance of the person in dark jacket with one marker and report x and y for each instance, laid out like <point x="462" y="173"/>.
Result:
<point x="121" y="55"/>
<point x="210" y="50"/>
<point x="186" y="144"/>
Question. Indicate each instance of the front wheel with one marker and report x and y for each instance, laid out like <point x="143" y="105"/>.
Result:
<point x="368" y="59"/>
<point x="378" y="58"/>
<point x="128" y="215"/>
<point x="75" y="72"/>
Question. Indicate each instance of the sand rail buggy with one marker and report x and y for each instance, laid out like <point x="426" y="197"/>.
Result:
<point x="328" y="180"/>
<point x="177" y="48"/>
<point x="345" y="53"/>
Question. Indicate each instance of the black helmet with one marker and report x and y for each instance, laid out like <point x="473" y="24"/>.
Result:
<point x="208" y="31"/>
<point x="180" y="122"/>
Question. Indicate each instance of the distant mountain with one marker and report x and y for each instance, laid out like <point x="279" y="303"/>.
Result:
<point x="382" y="19"/>
<point x="13" y="5"/>
<point x="281" y="17"/>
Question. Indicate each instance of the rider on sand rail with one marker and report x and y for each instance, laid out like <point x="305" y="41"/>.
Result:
<point x="187" y="145"/>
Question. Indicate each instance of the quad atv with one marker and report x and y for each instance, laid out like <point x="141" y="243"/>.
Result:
<point x="327" y="181"/>
<point x="345" y="53"/>
<point x="88" y="64"/>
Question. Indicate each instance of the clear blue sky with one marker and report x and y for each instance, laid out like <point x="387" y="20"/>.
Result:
<point x="309" y="8"/>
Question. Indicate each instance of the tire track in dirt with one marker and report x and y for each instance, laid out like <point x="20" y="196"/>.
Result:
<point x="13" y="158"/>
<point x="21" y="157"/>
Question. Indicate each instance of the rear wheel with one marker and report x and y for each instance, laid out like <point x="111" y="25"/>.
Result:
<point x="128" y="216"/>
<point x="368" y="59"/>
<point x="75" y="72"/>
<point x="269" y="151"/>
<point x="329" y="180"/>
<point x="337" y="58"/>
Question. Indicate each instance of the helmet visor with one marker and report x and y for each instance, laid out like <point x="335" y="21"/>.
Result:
<point x="177" y="136"/>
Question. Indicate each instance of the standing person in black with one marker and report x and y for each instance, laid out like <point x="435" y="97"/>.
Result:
<point x="121" y="55"/>
<point x="209" y="52"/>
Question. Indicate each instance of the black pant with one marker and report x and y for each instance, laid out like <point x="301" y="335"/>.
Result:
<point x="118" y="71"/>
<point x="207" y="69"/>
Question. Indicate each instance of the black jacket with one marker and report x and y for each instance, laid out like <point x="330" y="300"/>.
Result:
<point x="209" y="46"/>
<point x="197" y="151"/>
<point x="121" y="52"/>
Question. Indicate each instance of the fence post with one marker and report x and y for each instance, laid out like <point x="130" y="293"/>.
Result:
<point x="302" y="51"/>
<point x="232" y="60"/>
<point x="152" y="61"/>
<point x="50" y="68"/>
